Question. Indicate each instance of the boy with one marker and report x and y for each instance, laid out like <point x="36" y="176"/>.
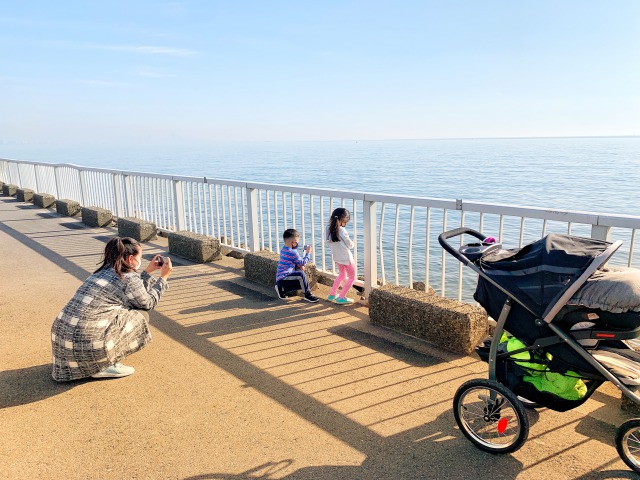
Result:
<point x="289" y="279"/>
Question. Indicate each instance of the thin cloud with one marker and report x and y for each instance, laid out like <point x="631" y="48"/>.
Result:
<point x="104" y="83"/>
<point x="138" y="49"/>
<point x="146" y="49"/>
<point x="152" y="73"/>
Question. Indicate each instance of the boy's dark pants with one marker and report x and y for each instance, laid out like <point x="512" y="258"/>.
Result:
<point x="294" y="281"/>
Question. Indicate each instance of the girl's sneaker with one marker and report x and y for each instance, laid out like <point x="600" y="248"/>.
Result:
<point x="344" y="301"/>
<point x="332" y="298"/>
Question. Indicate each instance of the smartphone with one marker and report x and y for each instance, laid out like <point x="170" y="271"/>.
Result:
<point x="159" y="261"/>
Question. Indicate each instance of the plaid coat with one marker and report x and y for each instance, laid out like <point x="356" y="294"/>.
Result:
<point x="101" y="324"/>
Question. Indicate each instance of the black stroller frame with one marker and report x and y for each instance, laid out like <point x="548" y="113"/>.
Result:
<point x="488" y="424"/>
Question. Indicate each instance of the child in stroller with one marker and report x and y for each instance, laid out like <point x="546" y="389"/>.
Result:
<point x="571" y="322"/>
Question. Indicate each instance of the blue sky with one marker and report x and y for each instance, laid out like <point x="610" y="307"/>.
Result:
<point x="171" y="72"/>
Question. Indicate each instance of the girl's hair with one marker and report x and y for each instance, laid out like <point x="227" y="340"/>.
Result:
<point x="334" y="223"/>
<point x="115" y="253"/>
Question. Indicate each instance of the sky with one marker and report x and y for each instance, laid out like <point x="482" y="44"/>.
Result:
<point x="196" y="71"/>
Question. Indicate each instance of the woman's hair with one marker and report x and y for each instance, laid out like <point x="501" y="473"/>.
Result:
<point x="334" y="223"/>
<point x="115" y="253"/>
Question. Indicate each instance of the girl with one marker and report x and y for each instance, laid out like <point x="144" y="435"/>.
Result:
<point x="341" y="246"/>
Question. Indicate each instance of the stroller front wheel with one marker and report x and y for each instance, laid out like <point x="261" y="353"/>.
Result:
<point x="628" y="443"/>
<point x="490" y="416"/>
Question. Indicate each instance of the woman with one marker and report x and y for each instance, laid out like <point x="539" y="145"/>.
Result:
<point x="105" y="320"/>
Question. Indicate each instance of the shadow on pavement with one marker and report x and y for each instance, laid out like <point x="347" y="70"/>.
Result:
<point x="14" y="390"/>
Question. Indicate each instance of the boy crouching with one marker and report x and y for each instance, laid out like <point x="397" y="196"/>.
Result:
<point x="288" y="279"/>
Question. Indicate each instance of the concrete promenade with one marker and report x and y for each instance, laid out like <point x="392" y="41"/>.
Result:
<point x="238" y="384"/>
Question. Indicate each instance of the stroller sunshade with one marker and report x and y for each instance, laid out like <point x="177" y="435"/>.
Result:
<point x="537" y="274"/>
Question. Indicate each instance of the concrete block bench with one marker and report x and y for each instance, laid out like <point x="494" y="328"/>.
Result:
<point x="444" y="322"/>
<point x="261" y="267"/>
<point x="43" y="200"/>
<point x="96" y="216"/>
<point x="9" y="190"/>
<point x="194" y="246"/>
<point x="224" y="242"/>
<point x="68" y="208"/>
<point x="24" y="195"/>
<point x="138" y="229"/>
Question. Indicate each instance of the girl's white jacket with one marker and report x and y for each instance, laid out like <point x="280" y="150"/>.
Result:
<point x="341" y="250"/>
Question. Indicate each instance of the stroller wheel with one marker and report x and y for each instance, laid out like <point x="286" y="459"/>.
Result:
<point x="490" y="416"/>
<point x="628" y="443"/>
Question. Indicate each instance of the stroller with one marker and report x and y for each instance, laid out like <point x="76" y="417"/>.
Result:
<point x="551" y="347"/>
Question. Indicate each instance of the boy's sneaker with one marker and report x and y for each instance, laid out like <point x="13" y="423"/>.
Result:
<point x="116" y="370"/>
<point x="332" y="298"/>
<point x="280" y="292"/>
<point x="344" y="301"/>
<point x="310" y="297"/>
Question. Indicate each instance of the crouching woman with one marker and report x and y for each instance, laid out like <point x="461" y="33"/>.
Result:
<point x="106" y="320"/>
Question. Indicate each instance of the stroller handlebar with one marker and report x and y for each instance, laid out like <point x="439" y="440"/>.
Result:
<point x="456" y="232"/>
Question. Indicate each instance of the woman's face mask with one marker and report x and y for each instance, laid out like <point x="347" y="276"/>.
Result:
<point x="134" y="263"/>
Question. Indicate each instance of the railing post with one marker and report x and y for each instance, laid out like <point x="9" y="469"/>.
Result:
<point x="57" y="178"/>
<point x="83" y="188"/>
<point x="178" y="203"/>
<point x="370" y="254"/>
<point x="253" y="207"/>
<point x="35" y="174"/>
<point x="601" y="232"/>
<point x="117" y="190"/>
<point x="128" y="197"/>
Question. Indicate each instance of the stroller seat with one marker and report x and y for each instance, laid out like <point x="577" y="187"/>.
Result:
<point x="623" y="363"/>
<point x="573" y="314"/>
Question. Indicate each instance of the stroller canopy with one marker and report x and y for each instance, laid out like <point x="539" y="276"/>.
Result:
<point x="539" y="273"/>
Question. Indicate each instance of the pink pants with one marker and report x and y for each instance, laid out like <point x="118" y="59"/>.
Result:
<point x="347" y="272"/>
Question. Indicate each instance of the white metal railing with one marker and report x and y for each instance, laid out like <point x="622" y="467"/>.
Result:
<point x="395" y="236"/>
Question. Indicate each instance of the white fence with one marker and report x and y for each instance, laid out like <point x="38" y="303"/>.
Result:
<point x="395" y="236"/>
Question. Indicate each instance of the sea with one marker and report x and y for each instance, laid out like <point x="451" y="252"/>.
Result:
<point x="591" y="174"/>
<point x="595" y="174"/>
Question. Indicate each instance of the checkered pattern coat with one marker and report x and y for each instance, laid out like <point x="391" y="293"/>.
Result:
<point x="101" y="324"/>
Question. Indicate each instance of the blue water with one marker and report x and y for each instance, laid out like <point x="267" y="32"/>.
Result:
<point x="598" y="174"/>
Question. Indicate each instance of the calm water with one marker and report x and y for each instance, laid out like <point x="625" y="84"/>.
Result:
<point x="592" y="174"/>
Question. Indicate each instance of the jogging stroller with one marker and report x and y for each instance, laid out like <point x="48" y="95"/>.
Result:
<point x="555" y="341"/>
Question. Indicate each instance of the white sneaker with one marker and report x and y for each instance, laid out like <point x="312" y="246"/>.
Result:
<point x="115" y="371"/>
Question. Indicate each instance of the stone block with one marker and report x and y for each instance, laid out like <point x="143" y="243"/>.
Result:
<point x="225" y="250"/>
<point x="261" y="267"/>
<point x="43" y="200"/>
<point x="194" y="246"/>
<point x="9" y="190"/>
<point x="24" y="195"/>
<point x="96" y="217"/>
<point x="69" y="208"/>
<point x="140" y="230"/>
<point x="444" y="322"/>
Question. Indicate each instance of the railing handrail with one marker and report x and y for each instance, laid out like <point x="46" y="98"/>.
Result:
<point x="573" y="216"/>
